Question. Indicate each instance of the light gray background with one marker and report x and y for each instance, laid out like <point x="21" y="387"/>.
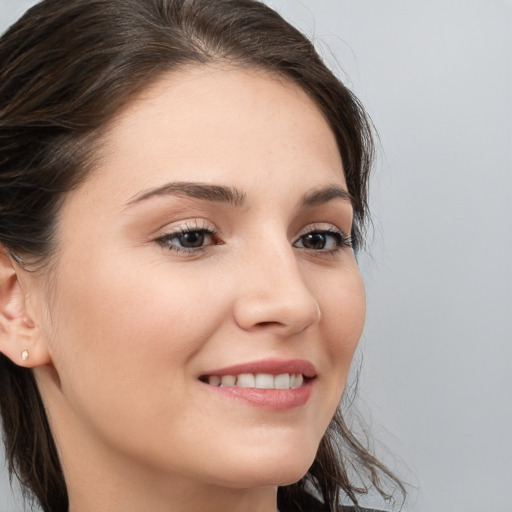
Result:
<point x="436" y="384"/>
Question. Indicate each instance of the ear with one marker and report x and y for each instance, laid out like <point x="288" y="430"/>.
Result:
<point x="20" y="336"/>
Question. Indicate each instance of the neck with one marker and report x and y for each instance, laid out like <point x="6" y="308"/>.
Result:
<point x="123" y="486"/>
<point x="185" y="499"/>
<point x="96" y="480"/>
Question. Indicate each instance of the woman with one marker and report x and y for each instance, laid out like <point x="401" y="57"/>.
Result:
<point x="182" y="188"/>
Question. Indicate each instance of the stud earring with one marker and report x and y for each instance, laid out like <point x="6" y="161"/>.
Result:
<point x="24" y="354"/>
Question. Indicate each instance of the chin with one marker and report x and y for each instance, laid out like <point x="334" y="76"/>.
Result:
<point x="273" y="477"/>
<point x="263" y="471"/>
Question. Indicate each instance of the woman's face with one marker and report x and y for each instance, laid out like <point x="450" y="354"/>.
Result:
<point x="209" y="245"/>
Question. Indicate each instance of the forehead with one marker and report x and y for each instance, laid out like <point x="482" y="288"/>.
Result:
<point x="228" y="125"/>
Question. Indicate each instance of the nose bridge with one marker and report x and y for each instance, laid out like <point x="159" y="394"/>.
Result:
<point x="275" y="293"/>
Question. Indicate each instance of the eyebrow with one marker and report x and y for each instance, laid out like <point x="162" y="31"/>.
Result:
<point x="232" y="195"/>
<point x="325" y="195"/>
<point x="214" y="193"/>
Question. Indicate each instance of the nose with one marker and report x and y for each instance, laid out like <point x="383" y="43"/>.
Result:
<point x="274" y="295"/>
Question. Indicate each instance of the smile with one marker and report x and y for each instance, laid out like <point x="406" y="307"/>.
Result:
<point x="274" y="385"/>
<point x="258" y="380"/>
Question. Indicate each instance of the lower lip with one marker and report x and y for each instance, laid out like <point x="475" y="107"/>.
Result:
<point x="274" y="400"/>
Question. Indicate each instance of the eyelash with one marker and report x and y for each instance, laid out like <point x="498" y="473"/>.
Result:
<point x="205" y="230"/>
<point x="341" y="240"/>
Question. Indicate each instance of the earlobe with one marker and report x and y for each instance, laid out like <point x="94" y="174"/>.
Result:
<point x="20" y="338"/>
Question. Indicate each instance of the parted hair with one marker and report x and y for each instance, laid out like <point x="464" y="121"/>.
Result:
<point x="66" y="68"/>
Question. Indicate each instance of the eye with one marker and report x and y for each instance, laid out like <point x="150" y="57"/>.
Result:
<point x="327" y="240"/>
<point x="192" y="239"/>
<point x="188" y="239"/>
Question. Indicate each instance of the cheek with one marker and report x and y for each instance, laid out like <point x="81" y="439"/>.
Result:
<point x="126" y="333"/>
<point x="123" y="346"/>
<point x="343" y="307"/>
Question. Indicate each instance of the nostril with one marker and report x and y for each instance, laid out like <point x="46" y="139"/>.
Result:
<point x="267" y="324"/>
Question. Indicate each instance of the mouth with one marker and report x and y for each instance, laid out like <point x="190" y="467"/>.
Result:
<point x="272" y="385"/>
<point x="257" y="380"/>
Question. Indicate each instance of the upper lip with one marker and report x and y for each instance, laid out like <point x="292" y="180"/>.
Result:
<point x="270" y="366"/>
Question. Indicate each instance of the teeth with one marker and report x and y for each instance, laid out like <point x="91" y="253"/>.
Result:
<point x="214" y="380"/>
<point x="259" y="380"/>
<point x="264" y="381"/>
<point x="228" y="380"/>
<point x="282" y="381"/>
<point x="296" y="380"/>
<point x="246" y="380"/>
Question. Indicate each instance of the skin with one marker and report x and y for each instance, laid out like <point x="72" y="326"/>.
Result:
<point x="122" y="325"/>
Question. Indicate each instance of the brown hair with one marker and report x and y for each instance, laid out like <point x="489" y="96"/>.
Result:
<point x="66" y="68"/>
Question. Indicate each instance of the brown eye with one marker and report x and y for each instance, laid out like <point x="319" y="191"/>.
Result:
<point x="315" y="241"/>
<point x="323" y="240"/>
<point x="191" y="239"/>
<point x="187" y="240"/>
